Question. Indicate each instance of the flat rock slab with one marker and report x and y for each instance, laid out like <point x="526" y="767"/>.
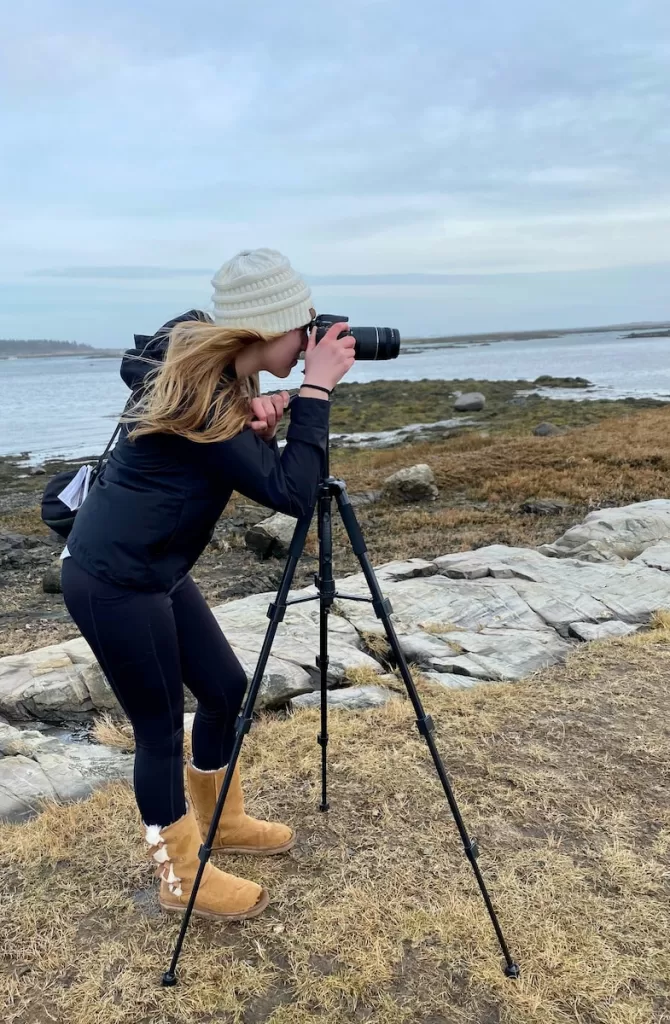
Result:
<point x="45" y="769"/>
<point x="656" y="557"/>
<point x="589" y="631"/>
<point x="353" y="698"/>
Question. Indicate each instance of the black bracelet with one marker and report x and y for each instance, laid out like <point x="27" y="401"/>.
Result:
<point x="317" y="387"/>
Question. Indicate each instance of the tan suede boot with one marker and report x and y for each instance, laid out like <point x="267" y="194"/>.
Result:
<point x="222" y="896"/>
<point x="237" y="832"/>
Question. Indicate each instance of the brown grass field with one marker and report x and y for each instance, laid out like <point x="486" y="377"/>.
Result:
<point x="375" y="916"/>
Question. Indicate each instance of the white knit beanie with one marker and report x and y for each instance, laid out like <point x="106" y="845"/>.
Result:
<point x="258" y="289"/>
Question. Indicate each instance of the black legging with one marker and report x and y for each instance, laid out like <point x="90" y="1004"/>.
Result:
<point x="149" y="645"/>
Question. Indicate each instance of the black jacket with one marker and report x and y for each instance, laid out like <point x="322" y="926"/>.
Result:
<point x="153" y="509"/>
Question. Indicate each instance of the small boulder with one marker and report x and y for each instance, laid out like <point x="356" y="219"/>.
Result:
<point x="271" y="537"/>
<point x="38" y="471"/>
<point x="474" y="401"/>
<point x="51" y="580"/>
<point x="548" y="430"/>
<point x="415" y="483"/>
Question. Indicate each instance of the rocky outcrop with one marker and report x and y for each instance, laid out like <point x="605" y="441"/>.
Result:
<point x="615" y="534"/>
<point x="497" y="613"/>
<point x="35" y="767"/>
<point x="494" y="613"/>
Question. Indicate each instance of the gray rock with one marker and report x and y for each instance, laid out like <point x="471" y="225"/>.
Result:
<point x="15" y="741"/>
<point x="23" y="785"/>
<point x="55" y="684"/>
<point x="51" y="583"/>
<point x="11" y="541"/>
<point x="474" y="401"/>
<point x="615" y="534"/>
<point x="439" y="601"/>
<point x="353" y="698"/>
<point x="364" y="498"/>
<point x="656" y="557"/>
<point x="500" y="654"/>
<point x="544" y="507"/>
<point x="38" y="471"/>
<point x="589" y="631"/>
<point x="413" y="567"/>
<point x="57" y="771"/>
<point x="414" y="433"/>
<point x="271" y="536"/>
<point x="453" y="680"/>
<point x="548" y="430"/>
<point x="414" y="483"/>
<point x="559" y="607"/>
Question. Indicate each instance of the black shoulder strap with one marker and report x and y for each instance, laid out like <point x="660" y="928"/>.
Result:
<point x="110" y="443"/>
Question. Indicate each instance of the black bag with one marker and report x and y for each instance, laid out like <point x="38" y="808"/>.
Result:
<point x="55" y="513"/>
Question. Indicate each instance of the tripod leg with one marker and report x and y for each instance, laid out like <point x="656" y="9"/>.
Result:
<point x="424" y="722"/>
<point x="275" y="614"/>
<point x="326" y="587"/>
<point x="323" y="733"/>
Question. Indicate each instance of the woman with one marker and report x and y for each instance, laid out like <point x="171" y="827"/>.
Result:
<point x="196" y="431"/>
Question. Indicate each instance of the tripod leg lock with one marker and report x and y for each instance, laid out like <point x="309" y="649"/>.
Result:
<point x="425" y="725"/>
<point x="472" y="850"/>
<point x="203" y="853"/>
<point x="382" y="608"/>
<point x="322" y="661"/>
<point x="276" y="612"/>
<point x="242" y="726"/>
<point x="322" y="739"/>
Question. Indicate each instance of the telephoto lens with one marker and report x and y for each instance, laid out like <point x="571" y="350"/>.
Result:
<point x="371" y="342"/>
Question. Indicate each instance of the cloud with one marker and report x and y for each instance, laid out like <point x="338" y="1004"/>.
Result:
<point x="146" y="141"/>
<point x="121" y="273"/>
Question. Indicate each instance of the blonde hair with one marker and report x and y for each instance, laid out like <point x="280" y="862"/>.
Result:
<point x="187" y="393"/>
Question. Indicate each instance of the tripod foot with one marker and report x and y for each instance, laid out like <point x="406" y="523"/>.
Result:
<point x="169" y="980"/>
<point x="324" y="807"/>
<point x="512" y="971"/>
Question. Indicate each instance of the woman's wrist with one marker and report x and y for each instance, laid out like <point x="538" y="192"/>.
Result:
<point x="315" y="391"/>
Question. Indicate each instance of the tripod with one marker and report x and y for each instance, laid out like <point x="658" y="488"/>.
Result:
<point x="331" y="490"/>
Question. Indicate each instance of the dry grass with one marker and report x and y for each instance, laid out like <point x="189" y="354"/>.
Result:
<point x="113" y="732"/>
<point x="484" y="480"/>
<point x="620" y="460"/>
<point x="116" y="731"/>
<point x="375" y="916"/>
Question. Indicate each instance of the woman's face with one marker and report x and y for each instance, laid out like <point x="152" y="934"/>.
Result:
<point x="281" y="355"/>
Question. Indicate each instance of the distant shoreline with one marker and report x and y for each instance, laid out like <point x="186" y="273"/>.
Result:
<point x="95" y="353"/>
<point x="648" y="329"/>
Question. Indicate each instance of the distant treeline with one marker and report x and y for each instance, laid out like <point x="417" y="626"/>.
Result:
<point x="41" y="347"/>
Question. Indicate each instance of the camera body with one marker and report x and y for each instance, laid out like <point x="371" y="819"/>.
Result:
<point x="371" y="342"/>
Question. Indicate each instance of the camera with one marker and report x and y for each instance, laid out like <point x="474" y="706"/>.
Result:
<point x="371" y="342"/>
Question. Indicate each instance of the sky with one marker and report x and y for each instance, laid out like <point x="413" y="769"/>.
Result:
<point x="435" y="166"/>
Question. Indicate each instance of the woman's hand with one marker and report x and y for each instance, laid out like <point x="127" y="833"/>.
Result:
<point x="327" y="362"/>
<point x="266" y="414"/>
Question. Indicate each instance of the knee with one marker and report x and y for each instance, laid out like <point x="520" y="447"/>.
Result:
<point x="227" y="699"/>
<point x="164" y="743"/>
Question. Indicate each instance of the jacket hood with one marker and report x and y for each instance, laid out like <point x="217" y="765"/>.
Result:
<point x="150" y="349"/>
